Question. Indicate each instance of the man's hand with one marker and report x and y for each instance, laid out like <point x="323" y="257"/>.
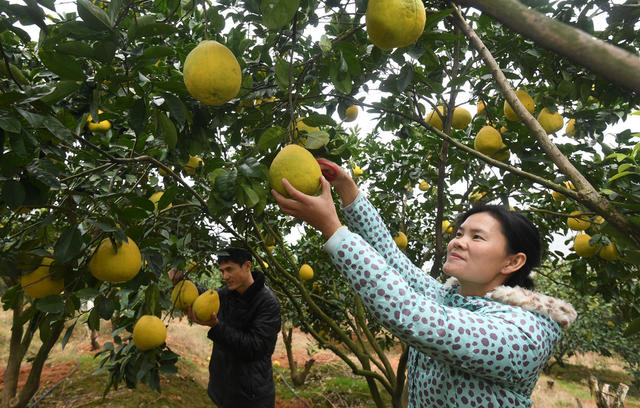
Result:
<point x="175" y="275"/>
<point x="317" y="211"/>
<point x="211" y="322"/>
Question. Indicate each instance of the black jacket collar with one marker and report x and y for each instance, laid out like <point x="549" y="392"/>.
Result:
<point x="256" y="286"/>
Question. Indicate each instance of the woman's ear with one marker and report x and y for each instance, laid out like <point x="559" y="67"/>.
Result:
<point x="514" y="262"/>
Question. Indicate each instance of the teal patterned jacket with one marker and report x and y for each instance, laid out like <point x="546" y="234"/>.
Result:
<point x="463" y="351"/>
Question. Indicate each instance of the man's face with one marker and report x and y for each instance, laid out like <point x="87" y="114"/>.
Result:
<point x="238" y="277"/>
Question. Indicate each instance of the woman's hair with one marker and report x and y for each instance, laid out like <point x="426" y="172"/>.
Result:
<point x="521" y="235"/>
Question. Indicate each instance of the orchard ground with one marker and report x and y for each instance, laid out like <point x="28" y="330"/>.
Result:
<point x="330" y="383"/>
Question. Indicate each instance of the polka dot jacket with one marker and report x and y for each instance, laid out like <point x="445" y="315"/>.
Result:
<point x="464" y="351"/>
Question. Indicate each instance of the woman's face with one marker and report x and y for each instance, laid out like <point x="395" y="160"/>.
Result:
<point x="477" y="255"/>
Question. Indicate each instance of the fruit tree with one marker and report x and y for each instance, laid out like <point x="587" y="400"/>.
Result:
<point x="113" y="102"/>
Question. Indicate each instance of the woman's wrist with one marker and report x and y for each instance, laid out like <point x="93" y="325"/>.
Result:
<point x="347" y="190"/>
<point x="331" y="228"/>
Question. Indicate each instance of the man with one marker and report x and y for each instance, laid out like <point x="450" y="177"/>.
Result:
<point x="244" y="334"/>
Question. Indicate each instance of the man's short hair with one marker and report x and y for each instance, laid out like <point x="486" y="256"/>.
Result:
<point x="235" y="255"/>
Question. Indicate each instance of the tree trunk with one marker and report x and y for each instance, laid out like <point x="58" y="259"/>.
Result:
<point x="605" y="399"/>
<point x="13" y="363"/>
<point x="297" y="377"/>
<point x="94" y="340"/>
<point x="33" y="381"/>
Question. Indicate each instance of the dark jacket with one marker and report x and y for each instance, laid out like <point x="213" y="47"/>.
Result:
<point x="240" y="373"/>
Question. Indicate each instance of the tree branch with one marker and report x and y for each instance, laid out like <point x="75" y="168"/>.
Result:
<point x="586" y="194"/>
<point x="613" y="63"/>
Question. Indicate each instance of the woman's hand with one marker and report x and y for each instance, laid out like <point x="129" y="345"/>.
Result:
<point x="317" y="211"/>
<point x="343" y="183"/>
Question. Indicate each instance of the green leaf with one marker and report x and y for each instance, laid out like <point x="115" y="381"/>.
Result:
<point x="68" y="245"/>
<point x="167" y="130"/>
<point x="623" y="174"/>
<point x="225" y="185"/>
<point x="13" y="193"/>
<point x="157" y="51"/>
<point x="271" y="138"/>
<point x="340" y="76"/>
<point x="62" y="90"/>
<point x="147" y="26"/>
<point x="317" y="139"/>
<point x="633" y="328"/>
<point x="277" y="13"/>
<point x="10" y="125"/>
<point x="138" y="116"/>
<point x="251" y="197"/>
<point x="67" y="334"/>
<point x="405" y="77"/>
<point x="105" y="307"/>
<point x="63" y="65"/>
<point x="152" y="300"/>
<point x="86" y="293"/>
<point x="50" y="304"/>
<point x="11" y="297"/>
<point x="325" y="44"/>
<point x="94" y="320"/>
<point x="176" y="108"/>
<point x="282" y="73"/>
<point x="93" y="16"/>
<point x="46" y="172"/>
<point x="316" y="119"/>
<point x="75" y="48"/>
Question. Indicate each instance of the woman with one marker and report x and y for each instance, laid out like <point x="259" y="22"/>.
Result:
<point x="479" y="340"/>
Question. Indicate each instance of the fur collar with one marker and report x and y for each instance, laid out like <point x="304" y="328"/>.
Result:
<point x="556" y="309"/>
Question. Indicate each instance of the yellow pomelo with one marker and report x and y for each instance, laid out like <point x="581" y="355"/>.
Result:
<point x="481" y="108"/>
<point x="38" y="283"/>
<point x="598" y="220"/>
<point x="401" y="240"/>
<point x="298" y="166"/>
<point x="270" y="248"/>
<point x="461" y="118"/>
<point x="488" y="141"/>
<point x="101" y="126"/>
<point x="550" y="122"/>
<point x="351" y="113"/>
<point x="582" y="247"/>
<point x="193" y="164"/>
<point x="149" y="332"/>
<point x="447" y="228"/>
<point x="211" y="73"/>
<point x="306" y="272"/>
<point x="609" y="252"/>
<point x="570" y="130"/>
<point x="424" y="186"/>
<point x="108" y="265"/>
<point x="206" y="304"/>
<point x="558" y="196"/>
<point x="578" y="221"/>
<point x="155" y="198"/>
<point x="184" y="294"/>
<point x="525" y="99"/>
<point x="503" y="129"/>
<point x="477" y="196"/>
<point x="357" y="171"/>
<point x="303" y="127"/>
<point x="502" y="154"/>
<point x="395" y="23"/>
<point x="434" y="119"/>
